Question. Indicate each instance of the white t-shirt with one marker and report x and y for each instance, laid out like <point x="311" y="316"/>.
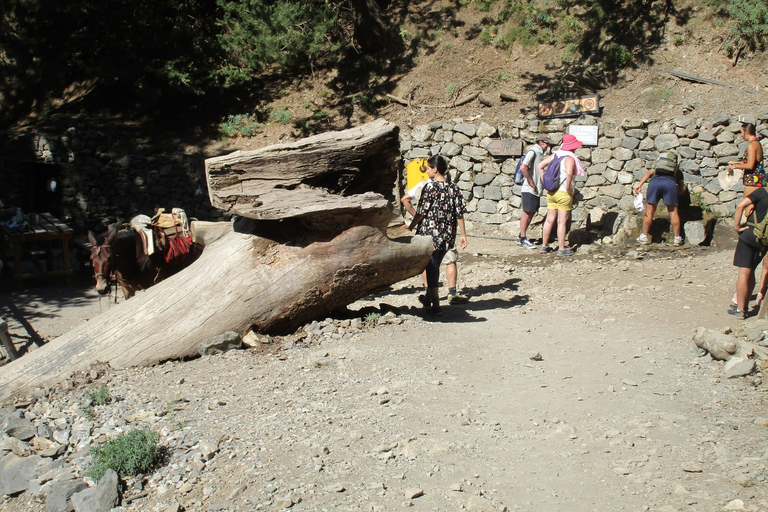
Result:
<point x="533" y="156"/>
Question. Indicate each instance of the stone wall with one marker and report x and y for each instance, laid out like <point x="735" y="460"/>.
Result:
<point x="102" y="177"/>
<point x="625" y="151"/>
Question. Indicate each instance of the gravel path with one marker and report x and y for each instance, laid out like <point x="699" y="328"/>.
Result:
<point x="563" y="385"/>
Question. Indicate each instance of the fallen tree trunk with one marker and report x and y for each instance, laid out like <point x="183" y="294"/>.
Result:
<point x="241" y="281"/>
<point x="326" y="174"/>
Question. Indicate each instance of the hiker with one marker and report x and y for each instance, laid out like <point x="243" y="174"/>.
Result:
<point x="560" y="201"/>
<point x="451" y="256"/>
<point x="531" y="188"/>
<point x="667" y="185"/>
<point x="749" y="251"/>
<point x="441" y="209"/>
<point x="751" y="162"/>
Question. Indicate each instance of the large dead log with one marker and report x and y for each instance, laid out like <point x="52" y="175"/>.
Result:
<point x="241" y="281"/>
<point x="332" y="173"/>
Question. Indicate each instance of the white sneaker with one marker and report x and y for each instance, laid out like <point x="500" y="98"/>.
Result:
<point x="678" y="241"/>
<point x="643" y="239"/>
<point x="527" y="244"/>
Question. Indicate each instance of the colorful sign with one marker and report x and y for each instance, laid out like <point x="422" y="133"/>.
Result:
<point x="570" y="107"/>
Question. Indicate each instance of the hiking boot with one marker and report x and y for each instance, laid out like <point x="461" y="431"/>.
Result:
<point x="678" y="241"/>
<point x="457" y="299"/>
<point x="525" y="243"/>
<point x="545" y="249"/>
<point x="643" y="239"/>
<point x="565" y="252"/>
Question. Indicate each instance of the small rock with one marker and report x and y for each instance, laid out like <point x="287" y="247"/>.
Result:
<point x="738" y="367"/>
<point x="535" y="356"/>
<point x="691" y="467"/>
<point x="413" y="492"/>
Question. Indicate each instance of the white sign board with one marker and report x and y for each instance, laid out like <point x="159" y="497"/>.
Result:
<point x="586" y="134"/>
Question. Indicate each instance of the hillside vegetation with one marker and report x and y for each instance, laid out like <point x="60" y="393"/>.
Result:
<point x="237" y="67"/>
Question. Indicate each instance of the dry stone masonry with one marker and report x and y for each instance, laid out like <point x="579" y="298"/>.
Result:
<point x="625" y="151"/>
<point x="106" y="177"/>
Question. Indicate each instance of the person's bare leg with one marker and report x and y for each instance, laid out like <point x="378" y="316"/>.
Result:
<point x="451" y="274"/>
<point x="674" y="219"/>
<point x="547" y="229"/>
<point x="650" y="209"/>
<point x="525" y="221"/>
<point x="562" y="225"/>
<point x="745" y="283"/>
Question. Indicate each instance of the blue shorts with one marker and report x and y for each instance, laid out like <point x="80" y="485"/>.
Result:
<point x="662" y="187"/>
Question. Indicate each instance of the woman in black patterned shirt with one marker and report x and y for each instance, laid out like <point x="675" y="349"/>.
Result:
<point x="443" y="208"/>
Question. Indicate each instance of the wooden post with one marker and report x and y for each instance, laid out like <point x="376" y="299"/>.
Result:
<point x="7" y="342"/>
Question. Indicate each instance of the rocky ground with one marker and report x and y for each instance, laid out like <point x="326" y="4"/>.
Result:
<point x="563" y="385"/>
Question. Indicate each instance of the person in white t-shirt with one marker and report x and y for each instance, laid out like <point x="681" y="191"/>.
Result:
<point x="531" y="188"/>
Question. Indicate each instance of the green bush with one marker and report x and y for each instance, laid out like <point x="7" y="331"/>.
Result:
<point x="282" y="116"/>
<point x="239" y="125"/>
<point x="99" y="395"/>
<point x="128" y="454"/>
<point x="615" y="56"/>
<point x="748" y="21"/>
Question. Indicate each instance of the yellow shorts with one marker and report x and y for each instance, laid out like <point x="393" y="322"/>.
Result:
<point x="560" y="200"/>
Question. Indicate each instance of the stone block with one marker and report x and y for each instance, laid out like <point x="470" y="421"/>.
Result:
<point x="721" y="120"/>
<point x="695" y="232"/>
<point x="492" y="193"/>
<point x="623" y="154"/>
<point x="630" y="143"/>
<point x="468" y="129"/>
<point x="461" y="139"/>
<point x="450" y="149"/>
<point x="726" y="136"/>
<point x="486" y="206"/>
<point x="636" y="133"/>
<point x="483" y="179"/>
<point x="595" y="180"/>
<point x="646" y="144"/>
<point x="705" y="136"/>
<point x="616" y="165"/>
<point x="461" y="164"/>
<point x="726" y="149"/>
<point x="689" y="166"/>
<point x="601" y="156"/>
<point x="666" y="141"/>
<point x="474" y="153"/>
<point x="625" y="178"/>
<point x="486" y="130"/>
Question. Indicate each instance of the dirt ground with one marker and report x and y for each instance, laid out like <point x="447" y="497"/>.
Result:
<point x="459" y="412"/>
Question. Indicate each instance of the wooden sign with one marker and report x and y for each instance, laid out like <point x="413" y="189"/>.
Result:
<point x="505" y="148"/>
<point x="570" y="107"/>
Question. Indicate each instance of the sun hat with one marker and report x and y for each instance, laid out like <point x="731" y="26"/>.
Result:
<point x="570" y="143"/>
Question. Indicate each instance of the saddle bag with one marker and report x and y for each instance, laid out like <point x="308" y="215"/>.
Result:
<point x="172" y="234"/>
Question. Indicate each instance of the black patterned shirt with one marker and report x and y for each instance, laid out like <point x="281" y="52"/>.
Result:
<point x="441" y="204"/>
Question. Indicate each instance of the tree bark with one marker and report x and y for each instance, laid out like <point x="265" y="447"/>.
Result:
<point x="331" y="173"/>
<point x="242" y="281"/>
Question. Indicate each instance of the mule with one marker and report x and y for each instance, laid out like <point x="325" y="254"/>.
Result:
<point x="118" y="257"/>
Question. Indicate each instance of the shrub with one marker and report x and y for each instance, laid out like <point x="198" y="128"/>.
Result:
<point x="99" y="395"/>
<point x="239" y="125"/>
<point x="127" y="454"/>
<point x="748" y="21"/>
<point x="615" y="56"/>
<point x="371" y="318"/>
<point x="282" y="116"/>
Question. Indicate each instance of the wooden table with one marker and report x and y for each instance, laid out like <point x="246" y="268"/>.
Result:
<point x="48" y="231"/>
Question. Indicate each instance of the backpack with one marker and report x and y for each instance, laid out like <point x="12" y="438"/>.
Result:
<point x="760" y="229"/>
<point x="519" y="178"/>
<point x="551" y="179"/>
